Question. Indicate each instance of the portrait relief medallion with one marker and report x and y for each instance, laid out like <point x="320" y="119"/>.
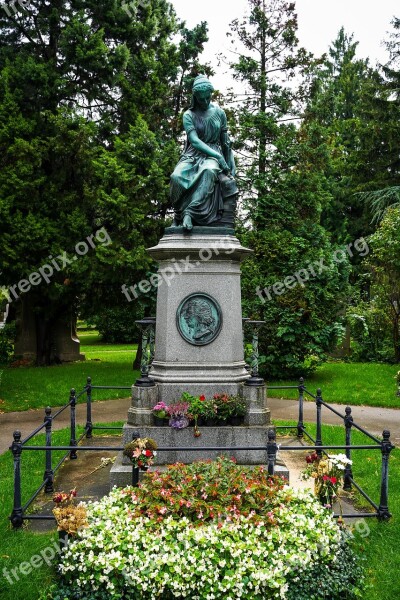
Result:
<point x="199" y="319"/>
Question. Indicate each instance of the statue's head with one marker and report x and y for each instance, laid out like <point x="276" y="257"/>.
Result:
<point x="202" y="92"/>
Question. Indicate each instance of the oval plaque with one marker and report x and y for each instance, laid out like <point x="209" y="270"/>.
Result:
<point x="199" y="319"/>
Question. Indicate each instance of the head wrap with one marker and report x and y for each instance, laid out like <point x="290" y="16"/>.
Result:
<point x="200" y="84"/>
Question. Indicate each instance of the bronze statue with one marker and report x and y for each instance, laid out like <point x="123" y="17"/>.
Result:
<point x="203" y="188"/>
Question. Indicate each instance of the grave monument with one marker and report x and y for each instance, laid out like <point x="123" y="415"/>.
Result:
<point x="195" y="343"/>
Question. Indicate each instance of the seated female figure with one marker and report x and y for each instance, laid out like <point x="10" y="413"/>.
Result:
<point x="203" y="178"/>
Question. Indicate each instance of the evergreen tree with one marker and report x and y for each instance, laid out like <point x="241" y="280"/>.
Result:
<point x="88" y="97"/>
<point x="282" y="178"/>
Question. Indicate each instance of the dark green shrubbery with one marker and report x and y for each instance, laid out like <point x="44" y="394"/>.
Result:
<point x="117" y="325"/>
<point x="7" y="335"/>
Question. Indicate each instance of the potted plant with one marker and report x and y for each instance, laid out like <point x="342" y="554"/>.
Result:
<point x="141" y="452"/>
<point x="210" y="413"/>
<point x="160" y="414"/>
<point x="69" y="516"/>
<point x="196" y="407"/>
<point x="238" y="410"/>
<point x="178" y="415"/>
<point x="224" y="408"/>
<point x="327" y="473"/>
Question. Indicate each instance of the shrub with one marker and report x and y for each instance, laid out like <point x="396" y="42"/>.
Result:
<point x="117" y="325"/>
<point x="7" y="335"/>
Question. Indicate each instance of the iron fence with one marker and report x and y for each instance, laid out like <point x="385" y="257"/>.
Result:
<point x="271" y="448"/>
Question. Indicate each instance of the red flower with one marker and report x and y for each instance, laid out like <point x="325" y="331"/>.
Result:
<point x="148" y="453"/>
<point x="202" y="398"/>
<point x="333" y="480"/>
<point x="326" y="478"/>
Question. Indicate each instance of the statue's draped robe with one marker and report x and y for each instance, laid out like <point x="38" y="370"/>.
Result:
<point x="198" y="186"/>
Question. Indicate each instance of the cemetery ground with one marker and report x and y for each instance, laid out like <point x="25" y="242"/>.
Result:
<point x="346" y="383"/>
<point x="23" y="388"/>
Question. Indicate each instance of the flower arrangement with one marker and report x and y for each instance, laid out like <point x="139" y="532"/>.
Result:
<point x="229" y="407"/>
<point x="141" y="452"/>
<point x="179" y="415"/>
<point x="69" y="516"/>
<point x="327" y="474"/>
<point x="160" y="411"/>
<point x="264" y="540"/>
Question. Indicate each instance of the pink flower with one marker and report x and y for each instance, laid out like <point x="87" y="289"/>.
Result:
<point x="162" y="510"/>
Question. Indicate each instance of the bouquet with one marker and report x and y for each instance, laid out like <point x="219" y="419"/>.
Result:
<point x="141" y="452"/>
<point x="178" y="415"/>
<point x="69" y="516"/>
<point x="327" y="473"/>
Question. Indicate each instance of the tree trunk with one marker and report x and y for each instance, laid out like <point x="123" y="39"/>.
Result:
<point x="43" y="340"/>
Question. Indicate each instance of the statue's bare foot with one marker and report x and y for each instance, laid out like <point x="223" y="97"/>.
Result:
<point x="187" y="223"/>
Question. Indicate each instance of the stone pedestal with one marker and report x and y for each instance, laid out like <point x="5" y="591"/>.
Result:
<point x="205" y="265"/>
<point x="143" y="400"/>
<point x="256" y="401"/>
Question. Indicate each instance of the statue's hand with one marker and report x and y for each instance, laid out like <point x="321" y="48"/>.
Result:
<point x="224" y="165"/>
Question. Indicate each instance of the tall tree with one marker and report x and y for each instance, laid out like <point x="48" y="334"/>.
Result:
<point x="282" y="177"/>
<point x="87" y="102"/>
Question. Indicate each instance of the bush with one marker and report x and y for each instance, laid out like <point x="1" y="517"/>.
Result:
<point x="208" y="530"/>
<point x="117" y="325"/>
<point x="7" y="335"/>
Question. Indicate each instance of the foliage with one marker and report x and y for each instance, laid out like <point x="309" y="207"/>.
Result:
<point x="262" y="555"/>
<point x="206" y="491"/>
<point x="116" y="324"/>
<point x="89" y="98"/>
<point x="384" y="264"/>
<point x="7" y="336"/>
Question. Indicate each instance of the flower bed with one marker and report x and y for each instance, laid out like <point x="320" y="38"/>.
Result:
<point x="219" y="531"/>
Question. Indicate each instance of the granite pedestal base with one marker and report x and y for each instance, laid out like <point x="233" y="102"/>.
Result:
<point x="190" y="265"/>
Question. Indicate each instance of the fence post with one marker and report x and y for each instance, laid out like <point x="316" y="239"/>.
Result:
<point x="300" y="424"/>
<point x="72" y="400"/>
<point x="48" y="473"/>
<point x="89" y="424"/>
<point x="272" y="449"/>
<point x="387" y="447"/>
<point x="348" y="473"/>
<point x="17" y="515"/>
<point x="318" y="438"/>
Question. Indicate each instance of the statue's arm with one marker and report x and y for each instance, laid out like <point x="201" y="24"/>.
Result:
<point x="199" y="145"/>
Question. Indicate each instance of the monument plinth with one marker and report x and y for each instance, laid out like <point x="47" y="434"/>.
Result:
<point x="199" y="338"/>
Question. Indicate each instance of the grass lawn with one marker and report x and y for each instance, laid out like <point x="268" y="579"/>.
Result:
<point x="17" y="546"/>
<point x="36" y="387"/>
<point x="380" y="547"/>
<point x="369" y="384"/>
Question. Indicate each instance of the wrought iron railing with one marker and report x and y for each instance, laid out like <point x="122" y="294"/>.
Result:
<point x="271" y="448"/>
